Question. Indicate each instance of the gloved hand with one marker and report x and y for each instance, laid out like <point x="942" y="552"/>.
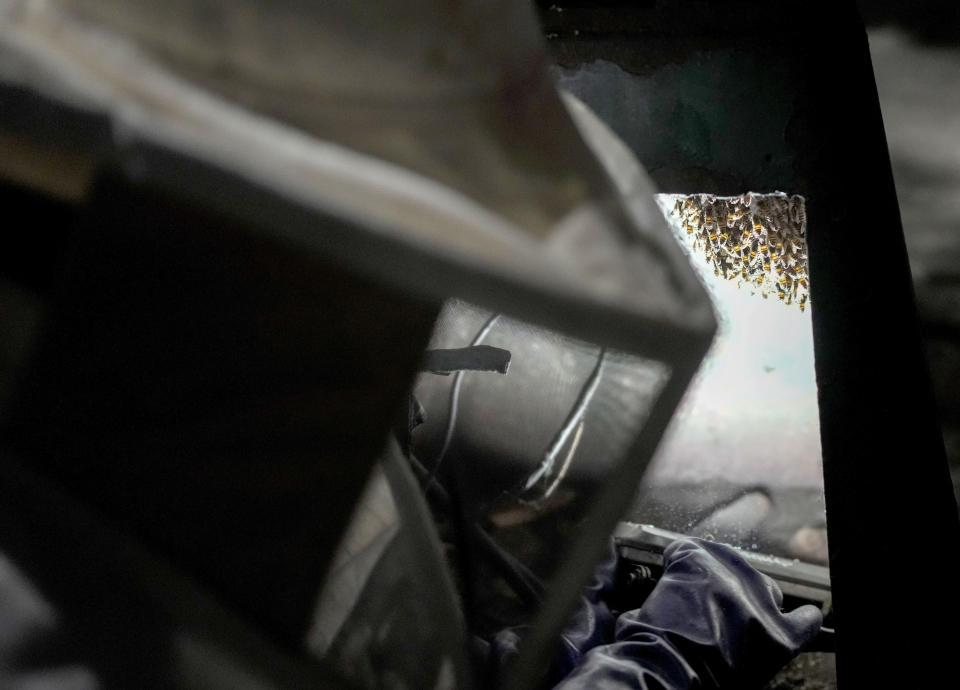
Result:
<point x="712" y="622"/>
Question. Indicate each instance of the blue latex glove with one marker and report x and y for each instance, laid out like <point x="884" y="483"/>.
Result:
<point x="712" y="622"/>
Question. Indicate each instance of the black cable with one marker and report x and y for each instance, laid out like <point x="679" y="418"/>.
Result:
<point x="521" y="579"/>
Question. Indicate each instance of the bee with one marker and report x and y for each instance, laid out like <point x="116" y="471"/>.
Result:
<point x="753" y="240"/>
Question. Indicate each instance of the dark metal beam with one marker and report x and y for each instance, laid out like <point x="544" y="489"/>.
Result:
<point x="889" y="498"/>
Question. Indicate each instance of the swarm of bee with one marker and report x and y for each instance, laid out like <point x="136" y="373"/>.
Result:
<point x="758" y="240"/>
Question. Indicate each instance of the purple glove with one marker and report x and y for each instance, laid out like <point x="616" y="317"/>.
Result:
<point x="712" y="622"/>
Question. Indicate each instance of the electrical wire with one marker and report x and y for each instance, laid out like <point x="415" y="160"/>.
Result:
<point x="570" y="425"/>
<point x="455" y="402"/>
